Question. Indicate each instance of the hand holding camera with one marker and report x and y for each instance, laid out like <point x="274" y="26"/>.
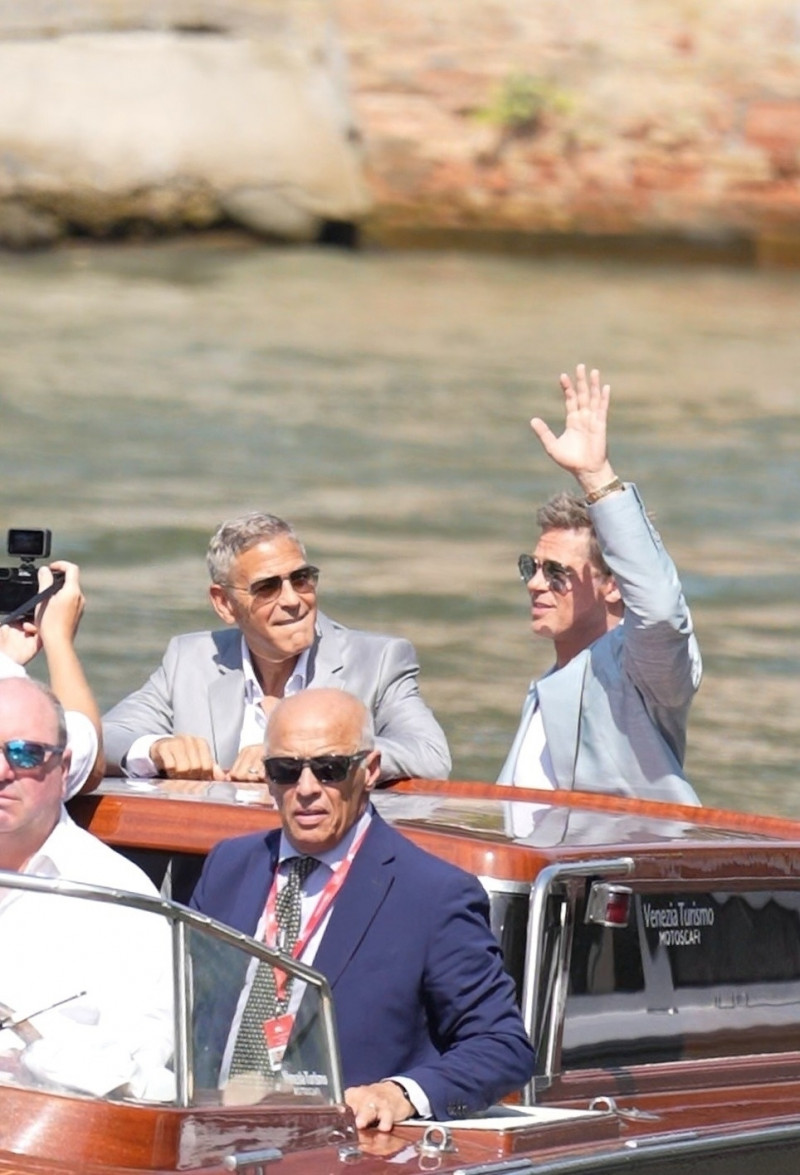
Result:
<point x="22" y="588"/>
<point x="40" y="610"/>
<point x="58" y="617"/>
<point x="44" y="606"/>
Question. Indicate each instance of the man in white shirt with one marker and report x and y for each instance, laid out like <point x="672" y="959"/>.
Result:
<point x="93" y="980"/>
<point x="53" y="631"/>
<point x="611" y="714"/>
<point x="203" y="713"/>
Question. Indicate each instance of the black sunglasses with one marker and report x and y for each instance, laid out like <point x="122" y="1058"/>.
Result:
<point x="23" y="754"/>
<point x="556" y="574"/>
<point x="285" y="771"/>
<point x="302" y="579"/>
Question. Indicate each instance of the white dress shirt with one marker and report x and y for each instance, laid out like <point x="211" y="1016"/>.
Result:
<point x="534" y="766"/>
<point x="254" y="723"/>
<point x="112" y="966"/>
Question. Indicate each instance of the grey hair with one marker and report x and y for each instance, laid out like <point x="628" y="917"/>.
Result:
<point x="236" y="535"/>
<point x="55" y="705"/>
<point x="568" y="512"/>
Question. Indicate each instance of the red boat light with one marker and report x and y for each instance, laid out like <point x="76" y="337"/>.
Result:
<point x="608" y="905"/>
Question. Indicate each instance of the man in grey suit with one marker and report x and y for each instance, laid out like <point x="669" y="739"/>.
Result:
<point x="202" y="714"/>
<point x="611" y="714"/>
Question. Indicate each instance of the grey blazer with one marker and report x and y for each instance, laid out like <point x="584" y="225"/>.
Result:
<point x="199" y="689"/>
<point x="615" y="716"/>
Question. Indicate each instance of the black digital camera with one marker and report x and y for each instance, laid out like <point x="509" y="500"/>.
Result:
<point x="20" y="584"/>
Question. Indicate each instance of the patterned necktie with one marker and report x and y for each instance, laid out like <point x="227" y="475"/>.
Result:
<point x="263" y="1003"/>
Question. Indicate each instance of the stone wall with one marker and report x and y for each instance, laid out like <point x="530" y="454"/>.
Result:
<point x="496" y="118"/>
<point x="550" y="116"/>
<point x="124" y="116"/>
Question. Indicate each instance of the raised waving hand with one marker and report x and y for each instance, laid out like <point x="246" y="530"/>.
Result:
<point x="582" y="448"/>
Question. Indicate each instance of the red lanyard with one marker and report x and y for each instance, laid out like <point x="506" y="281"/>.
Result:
<point x="323" y="903"/>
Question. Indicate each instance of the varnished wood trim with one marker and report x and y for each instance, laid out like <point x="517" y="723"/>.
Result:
<point x="83" y="1133"/>
<point x="776" y="826"/>
<point x="193" y="826"/>
<point x="163" y="824"/>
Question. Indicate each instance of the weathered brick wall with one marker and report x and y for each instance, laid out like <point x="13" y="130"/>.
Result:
<point x="649" y="116"/>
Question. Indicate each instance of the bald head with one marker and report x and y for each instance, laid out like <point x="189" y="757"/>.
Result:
<point x="38" y="702"/>
<point x="335" y="727"/>
<point x="30" y="797"/>
<point x="331" y="712"/>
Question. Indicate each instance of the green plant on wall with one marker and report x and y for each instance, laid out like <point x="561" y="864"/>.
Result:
<point x="519" y="105"/>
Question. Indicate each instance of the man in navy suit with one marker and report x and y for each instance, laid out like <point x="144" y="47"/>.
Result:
<point x="426" y="1016"/>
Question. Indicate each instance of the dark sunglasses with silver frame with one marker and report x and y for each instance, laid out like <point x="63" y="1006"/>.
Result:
<point x="302" y="579"/>
<point x="556" y="574"/>
<point x="285" y="771"/>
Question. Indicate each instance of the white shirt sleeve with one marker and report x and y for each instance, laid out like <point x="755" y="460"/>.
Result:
<point x="416" y="1095"/>
<point x="138" y="764"/>
<point x="82" y="741"/>
<point x="10" y="668"/>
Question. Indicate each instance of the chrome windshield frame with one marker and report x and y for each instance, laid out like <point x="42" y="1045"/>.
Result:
<point x="181" y="918"/>
<point x="543" y="1002"/>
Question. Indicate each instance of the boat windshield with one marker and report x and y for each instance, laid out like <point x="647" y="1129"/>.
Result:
<point x="122" y="996"/>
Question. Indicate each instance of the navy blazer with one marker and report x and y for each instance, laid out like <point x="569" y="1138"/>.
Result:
<point x="417" y="976"/>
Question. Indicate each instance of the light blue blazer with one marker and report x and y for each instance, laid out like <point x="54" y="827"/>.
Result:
<point x="615" y="716"/>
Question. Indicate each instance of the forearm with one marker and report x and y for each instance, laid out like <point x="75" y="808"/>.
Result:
<point x="68" y="682"/>
<point x="420" y="752"/>
<point x="644" y="571"/>
<point x="660" y="652"/>
<point x="145" y="712"/>
<point x="485" y="1053"/>
<point x="411" y="741"/>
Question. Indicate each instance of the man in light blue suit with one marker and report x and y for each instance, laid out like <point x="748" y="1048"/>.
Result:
<point x="203" y="712"/>
<point x="426" y="1015"/>
<point x="611" y="714"/>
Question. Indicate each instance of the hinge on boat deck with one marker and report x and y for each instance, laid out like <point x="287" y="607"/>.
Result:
<point x="346" y="1140"/>
<point x="437" y="1140"/>
<point x="609" y="1106"/>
